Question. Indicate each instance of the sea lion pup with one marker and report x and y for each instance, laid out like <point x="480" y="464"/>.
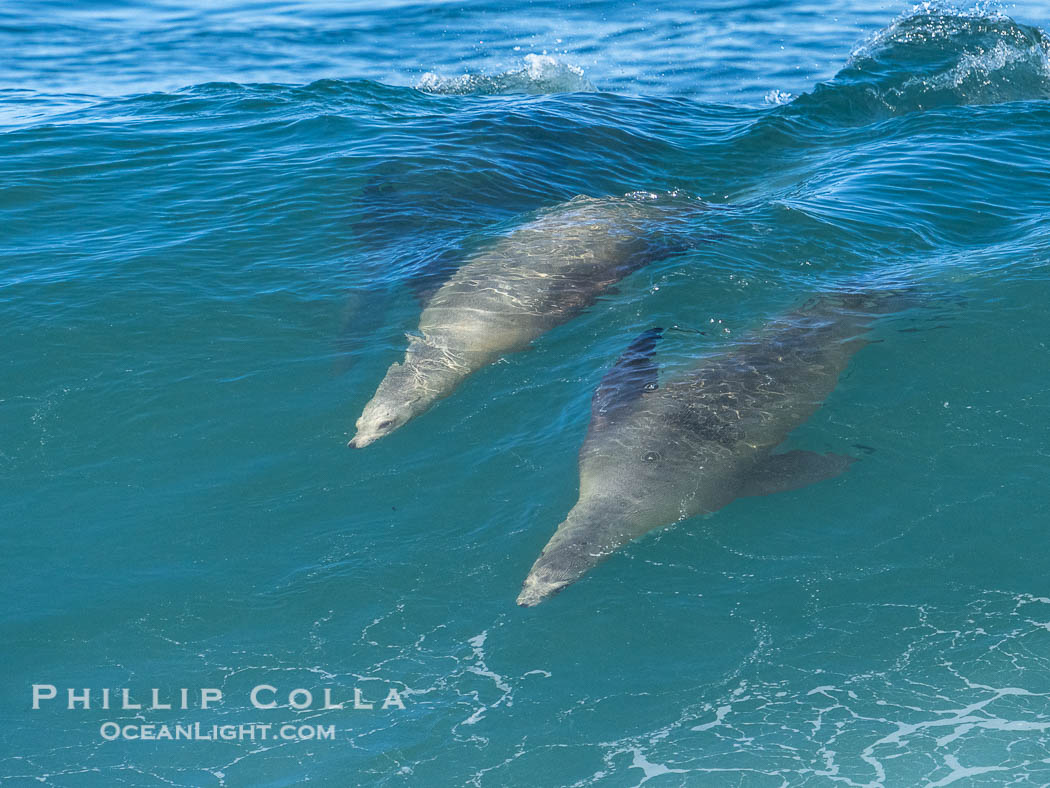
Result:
<point x="523" y="284"/>
<point x="660" y="452"/>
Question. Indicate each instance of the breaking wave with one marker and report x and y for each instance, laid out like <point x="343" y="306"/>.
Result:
<point x="935" y="56"/>
<point x="540" y="74"/>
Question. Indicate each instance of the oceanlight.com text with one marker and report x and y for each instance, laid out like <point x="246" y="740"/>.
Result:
<point x="252" y="731"/>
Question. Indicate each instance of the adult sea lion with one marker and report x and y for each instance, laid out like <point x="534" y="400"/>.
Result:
<point x="656" y="453"/>
<point x="525" y="283"/>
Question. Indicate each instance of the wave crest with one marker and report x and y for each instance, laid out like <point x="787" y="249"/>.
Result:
<point x="540" y="74"/>
<point x="936" y="56"/>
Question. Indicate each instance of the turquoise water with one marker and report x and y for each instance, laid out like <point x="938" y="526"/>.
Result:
<point x="217" y="224"/>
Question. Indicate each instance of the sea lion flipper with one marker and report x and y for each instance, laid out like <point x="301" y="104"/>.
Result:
<point x="634" y="372"/>
<point x="792" y="471"/>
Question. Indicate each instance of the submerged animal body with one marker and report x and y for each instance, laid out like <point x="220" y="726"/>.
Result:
<point x="538" y="276"/>
<point x="659" y="453"/>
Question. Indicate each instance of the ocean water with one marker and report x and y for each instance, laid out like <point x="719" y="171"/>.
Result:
<point x="217" y="221"/>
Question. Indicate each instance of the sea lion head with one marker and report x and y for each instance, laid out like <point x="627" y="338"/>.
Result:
<point x="399" y="398"/>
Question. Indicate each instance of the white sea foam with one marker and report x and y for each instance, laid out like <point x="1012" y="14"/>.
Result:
<point x="777" y="97"/>
<point x="540" y="73"/>
<point x="952" y="709"/>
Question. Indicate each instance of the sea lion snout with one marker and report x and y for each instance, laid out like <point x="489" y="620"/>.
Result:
<point x="360" y="440"/>
<point x="537" y="588"/>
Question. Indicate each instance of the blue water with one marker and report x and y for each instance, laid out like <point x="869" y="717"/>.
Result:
<point x="216" y="224"/>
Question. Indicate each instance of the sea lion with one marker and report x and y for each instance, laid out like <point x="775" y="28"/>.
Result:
<point x="657" y="453"/>
<point x="525" y="283"/>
